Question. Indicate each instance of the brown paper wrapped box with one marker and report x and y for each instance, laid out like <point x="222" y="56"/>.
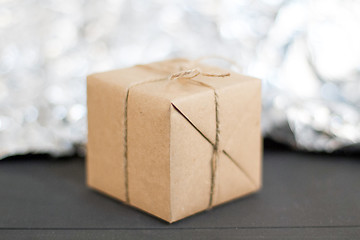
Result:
<point x="173" y="147"/>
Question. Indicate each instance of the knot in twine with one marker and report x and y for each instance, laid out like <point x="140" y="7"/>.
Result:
<point x="192" y="73"/>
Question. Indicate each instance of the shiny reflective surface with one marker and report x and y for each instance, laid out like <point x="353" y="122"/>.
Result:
<point x="306" y="52"/>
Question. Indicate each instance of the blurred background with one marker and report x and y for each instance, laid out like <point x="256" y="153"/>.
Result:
<point x="306" y="52"/>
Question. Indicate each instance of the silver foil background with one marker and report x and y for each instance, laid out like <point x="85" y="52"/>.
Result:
<point x="306" y="52"/>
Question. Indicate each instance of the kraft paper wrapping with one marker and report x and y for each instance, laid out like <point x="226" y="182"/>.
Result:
<point x="152" y="141"/>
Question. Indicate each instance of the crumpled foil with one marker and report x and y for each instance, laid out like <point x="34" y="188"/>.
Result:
<point x="306" y="52"/>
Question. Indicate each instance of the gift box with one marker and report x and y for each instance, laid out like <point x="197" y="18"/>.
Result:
<point x="174" y="138"/>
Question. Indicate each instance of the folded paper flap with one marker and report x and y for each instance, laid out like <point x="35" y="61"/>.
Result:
<point x="203" y="126"/>
<point x="231" y="181"/>
<point x="189" y="166"/>
<point x="241" y="168"/>
<point x="199" y="108"/>
<point x="206" y="132"/>
<point x="242" y="143"/>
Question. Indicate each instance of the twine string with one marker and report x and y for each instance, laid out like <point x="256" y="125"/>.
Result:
<point x="192" y="73"/>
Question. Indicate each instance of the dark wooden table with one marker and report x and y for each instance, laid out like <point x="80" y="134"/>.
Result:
<point x="304" y="196"/>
